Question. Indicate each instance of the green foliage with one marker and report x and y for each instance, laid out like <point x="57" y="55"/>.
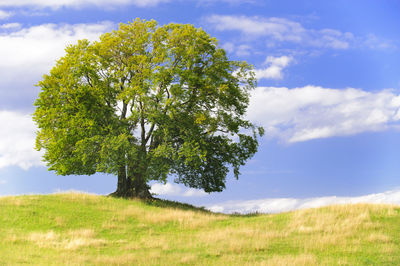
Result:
<point x="154" y="100"/>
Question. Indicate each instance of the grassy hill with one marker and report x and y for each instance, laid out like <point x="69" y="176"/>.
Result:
<point x="78" y="229"/>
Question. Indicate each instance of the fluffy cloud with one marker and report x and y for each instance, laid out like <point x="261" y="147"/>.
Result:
<point x="17" y="141"/>
<point x="290" y="204"/>
<point x="169" y="189"/>
<point x="275" y="67"/>
<point x="283" y="30"/>
<point x="31" y="52"/>
<point x="310" y="112"/>
<point x="77" y="3"/>
<point x="39" y="46"/>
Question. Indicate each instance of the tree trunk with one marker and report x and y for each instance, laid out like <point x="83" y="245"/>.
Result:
<point x="140" y="187"/>
<point x="123" y="185"/>
<point x="132" y="185"/>
<point x="131" y="177"/>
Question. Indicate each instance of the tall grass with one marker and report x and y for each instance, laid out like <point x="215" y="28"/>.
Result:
<point x="76" y="229"/>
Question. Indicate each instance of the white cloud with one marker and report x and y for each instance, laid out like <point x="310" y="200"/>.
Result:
<point x="38" y="47"/>
<point x="239" y="50"/>
<point x="191" y="192"/>
<point x="275" y="67"/>
<point x="77" y="3"/>
<point x="169" y="189"/>
<point x="311" y="112"/>
<point x="283" y="30"/>
<point x="17" y="141"/>
<point x="28" y="53"/>
<point x="373" y="42"/>
<point x="10" y="26"/>
<point x="165" y="189"/>
<point x="2" y="182"/>
<point x="289" y="204"/>
<point x="5" y="14"/>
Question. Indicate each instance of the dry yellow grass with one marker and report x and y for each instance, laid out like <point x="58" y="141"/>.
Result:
<point x="72" y="240"/>
<point x="184" y="218"/>
<point x="79" y="229"/>
<point x="315" y="229"/>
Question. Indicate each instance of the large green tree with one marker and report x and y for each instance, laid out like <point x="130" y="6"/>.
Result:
<point x="144" y="102"/>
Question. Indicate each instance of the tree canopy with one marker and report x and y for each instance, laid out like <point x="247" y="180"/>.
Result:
<point x="144" y="102"/>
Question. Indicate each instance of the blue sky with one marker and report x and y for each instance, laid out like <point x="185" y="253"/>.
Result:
<point x="328" y="90"/>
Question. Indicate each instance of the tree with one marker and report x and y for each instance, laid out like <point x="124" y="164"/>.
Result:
<point x="144" y="102"/>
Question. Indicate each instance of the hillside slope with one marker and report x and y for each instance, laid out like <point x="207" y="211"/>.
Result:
<point x="78" y="229"/>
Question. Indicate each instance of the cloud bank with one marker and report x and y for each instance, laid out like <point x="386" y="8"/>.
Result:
<point x="31" y="52"/>
<point x="169" y="189"/>
<point x="39" y="46"/>
<point x="289" y="204"/>
<point x="311" y="112"/>
<point x="282" y="30"/>
<point x="17" y="141"/>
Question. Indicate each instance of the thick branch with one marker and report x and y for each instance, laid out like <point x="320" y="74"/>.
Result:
<point x="124" y="110"/>
<point x="150" y="132"/>
<point x="88" y="80"/>
<point x="142" y="124"/>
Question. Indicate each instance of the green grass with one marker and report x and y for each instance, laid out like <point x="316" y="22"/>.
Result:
<point x="81" y="229"/>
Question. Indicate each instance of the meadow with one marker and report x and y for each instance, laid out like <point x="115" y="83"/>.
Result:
<point x="83" y="229"/>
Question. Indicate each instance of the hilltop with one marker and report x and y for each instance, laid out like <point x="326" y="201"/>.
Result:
<point x="78" y="229"/>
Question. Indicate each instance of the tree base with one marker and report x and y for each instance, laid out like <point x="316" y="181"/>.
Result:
<point x="144" y="194"/>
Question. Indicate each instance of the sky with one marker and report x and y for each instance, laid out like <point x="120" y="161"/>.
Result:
<point x="328" y="95"/>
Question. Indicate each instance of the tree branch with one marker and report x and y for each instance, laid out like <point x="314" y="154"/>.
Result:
<point x="124" y="110"/>
<point x="150" y="132"/>
<point x="142" y="124"/>
<point x="88" y="80"/>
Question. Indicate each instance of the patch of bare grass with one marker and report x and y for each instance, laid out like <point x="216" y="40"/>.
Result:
<point x="72" y="240"/>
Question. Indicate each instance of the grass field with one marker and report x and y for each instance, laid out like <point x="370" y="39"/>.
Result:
<point x="81" y="229"/>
